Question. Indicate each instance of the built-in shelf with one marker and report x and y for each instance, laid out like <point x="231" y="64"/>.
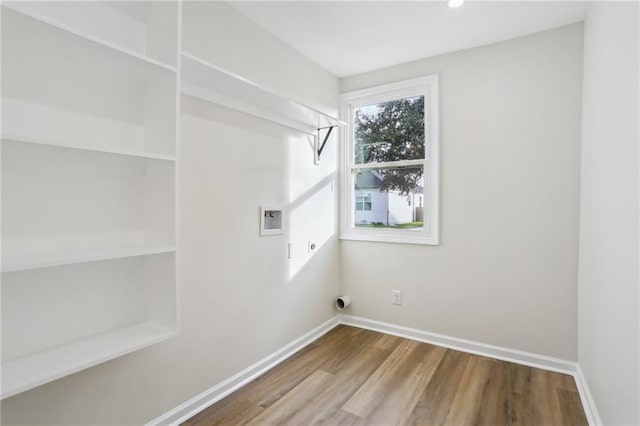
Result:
<point x="95" y="17"/>
<point x="90" y="108"/>
<point x="204" y="80"/>
<point x="31" y="371"/>
<point x="61" y="319"/>
<point x="46" y="260"/>
<point x="60" y="87"/>
<point x="60" y="201"/>
<point x="148" y="155"/>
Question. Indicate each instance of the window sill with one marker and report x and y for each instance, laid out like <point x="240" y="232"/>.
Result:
<point x="397" y="237"/>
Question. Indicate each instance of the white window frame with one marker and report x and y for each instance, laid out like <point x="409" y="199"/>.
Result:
<point x="429" y="234"/>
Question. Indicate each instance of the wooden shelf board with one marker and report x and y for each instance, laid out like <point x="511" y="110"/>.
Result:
<point x="37" y="369"/>
<point x="152" y="156"/>
<point x="21" y="263"/>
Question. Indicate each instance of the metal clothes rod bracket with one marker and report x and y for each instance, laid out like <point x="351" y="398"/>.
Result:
<point x="319" y="147"/>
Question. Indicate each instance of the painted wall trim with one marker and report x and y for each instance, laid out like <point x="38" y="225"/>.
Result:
<point x="212" y="395"/>
<point x="498" y="352"/>
<point x="588" y="403"/>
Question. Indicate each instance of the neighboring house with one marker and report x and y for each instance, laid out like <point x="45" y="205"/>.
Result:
<point x="388" y="208"/>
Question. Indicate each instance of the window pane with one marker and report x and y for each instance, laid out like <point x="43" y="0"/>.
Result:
<point x="389" y="198"/>
<point x="389" y="131"/>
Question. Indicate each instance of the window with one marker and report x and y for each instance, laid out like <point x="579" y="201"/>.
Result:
<point x="363" y="202"/>
<point x="389" y="163"/>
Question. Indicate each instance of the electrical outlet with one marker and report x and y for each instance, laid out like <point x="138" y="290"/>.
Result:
<point x="396" y="297"/>
<point x="290" y="251"/>
<point x="312" y="246"/>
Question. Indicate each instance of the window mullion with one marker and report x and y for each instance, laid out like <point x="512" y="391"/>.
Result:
<point x="387" y="165"/>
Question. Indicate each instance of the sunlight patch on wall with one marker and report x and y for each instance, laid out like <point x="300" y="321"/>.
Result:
<point x="311" y="210"/>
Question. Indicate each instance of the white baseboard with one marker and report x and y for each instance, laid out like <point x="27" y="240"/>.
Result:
<point x="512" y="355"/>
<point x="211" y="396"/>
<point x="588" y="404"/>
<point x="219" y="391"/>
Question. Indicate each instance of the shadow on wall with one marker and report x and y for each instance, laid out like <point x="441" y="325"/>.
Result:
<point x="312" y="201"/>
<point x="311" y="220"/>
<point x="232" y="164"/>
<point x="308" y="192"/>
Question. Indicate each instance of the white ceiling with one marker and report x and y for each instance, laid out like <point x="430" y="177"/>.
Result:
<point x="349" y="37"/>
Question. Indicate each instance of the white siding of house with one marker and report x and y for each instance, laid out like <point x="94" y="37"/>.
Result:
<point x="396" y="205"/>
<point x="399" y="209"/>
<point x="378" y="212"/>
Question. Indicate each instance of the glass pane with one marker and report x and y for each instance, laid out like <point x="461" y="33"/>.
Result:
<point x="389" y="198"/>
<point x="389" y="131"/>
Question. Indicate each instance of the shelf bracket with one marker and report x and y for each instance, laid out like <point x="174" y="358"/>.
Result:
<point x="319" y="147"/>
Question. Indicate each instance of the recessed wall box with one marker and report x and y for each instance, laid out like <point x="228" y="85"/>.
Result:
<point x="271" y="220"/>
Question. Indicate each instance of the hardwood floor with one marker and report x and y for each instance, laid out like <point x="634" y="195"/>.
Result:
<point x="353" y="376"/>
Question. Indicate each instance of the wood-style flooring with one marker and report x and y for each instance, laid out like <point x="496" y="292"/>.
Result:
<point x="353" y="376"/>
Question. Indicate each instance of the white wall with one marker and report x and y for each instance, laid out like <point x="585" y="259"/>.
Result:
<point x="609" y="334"/>
<point x="505" y="272"/>
<point x="241" y="299"/>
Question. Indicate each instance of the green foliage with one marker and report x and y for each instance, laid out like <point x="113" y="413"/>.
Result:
<point x="410" y="225"/>
<point x="393" y="132"/>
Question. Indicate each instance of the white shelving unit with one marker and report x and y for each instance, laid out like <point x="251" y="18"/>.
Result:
<point x="40" y="368"/>
<point x="108" y="150"/>
<point x="89" y="114"/>
<point x="207" y="81"/>
<point x="66" y="203"/>
<point x="60" y="320"/>
<point x="147" y="30"/>
<point x="90" y="108"/>
<point x="62" y="89"/>
<point x="47" y="260"/>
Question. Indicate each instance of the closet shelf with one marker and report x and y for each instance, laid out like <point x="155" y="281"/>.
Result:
<point x="204" y="80"/>
<point x="151" y="156"/>
<point x="15" y="6"/>
<point x="89" y="147"/>
<point x="30" y="371"/>
<point x="21" y="263"/>
<point x="32" y="42"/>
